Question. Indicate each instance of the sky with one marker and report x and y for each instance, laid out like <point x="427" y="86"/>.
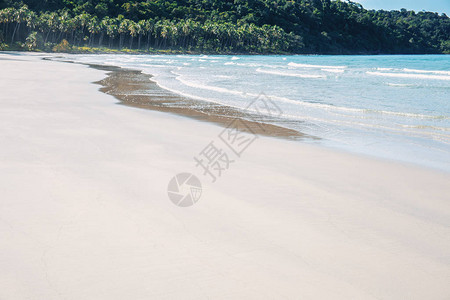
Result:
<point x="440" y="6"/>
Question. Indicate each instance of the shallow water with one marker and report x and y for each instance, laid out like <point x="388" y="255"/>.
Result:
<point x="395" y="107"/>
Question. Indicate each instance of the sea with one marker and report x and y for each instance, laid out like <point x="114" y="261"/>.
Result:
<point x="394" y="107"/>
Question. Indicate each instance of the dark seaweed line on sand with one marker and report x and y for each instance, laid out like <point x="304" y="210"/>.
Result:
<point x="136" y="89"/>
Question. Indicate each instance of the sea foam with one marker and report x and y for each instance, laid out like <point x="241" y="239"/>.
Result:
<point x="292" y="64"/>
<point x="290" y="74"/>
<point x="409" y="75"/>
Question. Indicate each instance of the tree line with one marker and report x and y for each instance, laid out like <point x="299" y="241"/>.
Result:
<point x="43" y="30"/>
<point x="222" y="26"/>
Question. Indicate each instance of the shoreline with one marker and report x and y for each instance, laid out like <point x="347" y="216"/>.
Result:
<point x="132" y="87"/>
<point x="178" y="52"/>
<point x="135" y="88"/>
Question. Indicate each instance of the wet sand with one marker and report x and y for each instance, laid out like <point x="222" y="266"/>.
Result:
<point x="134" y="88"/>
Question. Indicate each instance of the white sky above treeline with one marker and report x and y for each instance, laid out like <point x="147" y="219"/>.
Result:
<point x="440" y="6"/>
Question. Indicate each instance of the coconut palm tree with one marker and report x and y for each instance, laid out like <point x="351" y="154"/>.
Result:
<point x="93" y="27"/>
<point x="82" y="21"/>
<point x="148" y="28"/>
<point x="122" y="29"/>
<point x="6" y="17"/>
<point x="132" y="29"/>
<point x="19" y="16"/>
<point x="140" y="30"/>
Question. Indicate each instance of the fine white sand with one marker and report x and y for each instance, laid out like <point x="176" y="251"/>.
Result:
<point x="84" y="211"/>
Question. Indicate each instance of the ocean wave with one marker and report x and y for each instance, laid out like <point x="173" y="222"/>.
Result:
<point x="225" y="76"/>
<point x="427" y="71"/>
<point x="334" y="70"/>
<point x="447" y="129"/>
<point x="352" y="123"/>
<point x="323" y="106"/>
<point x="292" y="64"/>
<point x="351" y="109"/>
<point x="145" y="67"/>
<point x="290" y="74"/>
<point x="203" y="86"/>
<point x="405" y="114"/>
<point x="192" y="96"/>
<point x="355" y="110"/>
<point x="399" y="84"/>
<point x="407" y="75"/>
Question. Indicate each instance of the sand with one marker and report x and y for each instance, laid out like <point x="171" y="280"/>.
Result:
<point x="84" y="210"/>
<point x="137" y="89"/>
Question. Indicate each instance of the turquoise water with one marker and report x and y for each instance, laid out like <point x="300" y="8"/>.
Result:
<point x="394" y="107"/>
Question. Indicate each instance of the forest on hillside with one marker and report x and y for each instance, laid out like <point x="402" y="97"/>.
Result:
<point x="220" y="26"/>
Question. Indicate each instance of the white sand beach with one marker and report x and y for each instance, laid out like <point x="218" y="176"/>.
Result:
<point x="84" y="210"/>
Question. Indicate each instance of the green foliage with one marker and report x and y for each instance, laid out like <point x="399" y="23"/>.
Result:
<point x="445" y="47"/>
<point x="219" y="26"/>
<point x="33" y="41"/>
<point x="64" y="46"/>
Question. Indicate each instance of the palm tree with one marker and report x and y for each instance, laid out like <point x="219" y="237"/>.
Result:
<point x="157" y="33"/>
<point x="140" y="29"/>
<point x="70" y="25"/>
<point x="93" y="27"/>
<point x="122" y="29"/>
<point x="165" y="32"/>
<point x="111" y="31"/>
<point x="149" y="26"/>
<point x="132" y="28"/>
<point x="63" y="24"/>
<point x="82" y="21"/>
<point x="18" y="17"/>
<point x="6" y="17"/>
<point x="45" y="24"/>
<point x="31" y="19"/>
<point x="174" y="33"/>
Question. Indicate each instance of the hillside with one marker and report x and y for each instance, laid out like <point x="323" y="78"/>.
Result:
<point x="218" y="26"/>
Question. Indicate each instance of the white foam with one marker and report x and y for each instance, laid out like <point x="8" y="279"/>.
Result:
<point x="192" y="96"/>
<point x="447" y="129"/>
<point x="301" y="103"/>
<point x="225" y="76"/>
<point x="235" y="58"/>
<point x="290" y="74"/>
<point x="399" y="84"/>
<point x="427" y="71"/>
<point x="333" y="70"/>
<point x="351" y="109"/>
<point x="407" y="75"/>
<point x="203" y="86"/>
<point x="292" y="64"/>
